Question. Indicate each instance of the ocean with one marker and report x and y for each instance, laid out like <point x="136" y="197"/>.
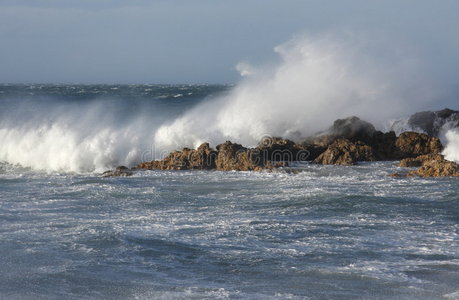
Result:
<point x="320" y="232"/>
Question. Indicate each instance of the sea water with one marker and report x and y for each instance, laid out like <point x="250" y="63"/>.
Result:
<point x="307" y="232"/>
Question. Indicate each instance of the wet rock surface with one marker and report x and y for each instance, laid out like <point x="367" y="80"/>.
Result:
<point x="420" y="160"/>
<point x="232" y="156"/>
<point x="346" y="142"/>
<point x="437" y="168"/>
<point x="429" y="165"/>
<point x="431" y="122"/>
<point x="120" y="171"/>
<point x="203" y="158"/>
<point x="413" y="144"/>
<point x="346" y="153"/>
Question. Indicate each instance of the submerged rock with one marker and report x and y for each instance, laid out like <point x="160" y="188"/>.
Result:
<point x="120" y="171"/>
<point x="346" y="153"/>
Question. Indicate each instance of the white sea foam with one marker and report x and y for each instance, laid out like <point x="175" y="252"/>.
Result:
<point x="317" y="81"/>
<point x="451" y="150"/>
<point x="70" y="138"/>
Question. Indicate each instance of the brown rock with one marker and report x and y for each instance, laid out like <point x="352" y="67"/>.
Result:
<point x="437" y="168"/>
<point x="229" y="156"/>
<point x="384" y="145"/>
<point x="279" y="149"/>
<point x="420" y="160"/>
<point x="232" y="156"/>
<point x="188" y="159"/>
<point x="413" y="144"/>
<point x="431" y="165"/>
<point x="345" y="152"/>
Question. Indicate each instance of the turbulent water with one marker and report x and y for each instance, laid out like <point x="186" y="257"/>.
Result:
<point x="327" y="232"/>
<point x="85" y="128"/>
<point x="324" y="232"/>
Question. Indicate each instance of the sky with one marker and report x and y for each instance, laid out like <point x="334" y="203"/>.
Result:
<point x="202" y="41"/>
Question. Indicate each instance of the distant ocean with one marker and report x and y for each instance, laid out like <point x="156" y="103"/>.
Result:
<point x="326" y="232"/>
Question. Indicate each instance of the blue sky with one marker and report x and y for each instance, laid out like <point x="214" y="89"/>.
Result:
<point x="201" y="41"/>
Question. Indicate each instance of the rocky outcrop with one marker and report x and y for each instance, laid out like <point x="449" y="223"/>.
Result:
<point x="386" y="146"/>
<point x="383" y="145"/>
<point x="346" y="153"/>
<point x="420" y="160"/>
<point x="120" y="171"/>
<point x="437" y="168"/>
<point x="376" y="145"/>
<point x="353" y="129"/>
<point x="278" y="149"/>
<point x="232" y="156"/>
<point x="431" y="122"/>
<point x="228" y="157"/>
<point x="430" y="165"/>
<point x="413" y="144"/>
<point x="346" y="142"/>
<point x="203" y="158"/>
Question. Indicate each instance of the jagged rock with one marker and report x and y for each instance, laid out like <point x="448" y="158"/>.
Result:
<point x="202" y="158"/>
<point x="430" y="165"/>
<point x="420" y="160"/>
<point x="232" y="156"/>
<point x="322" y="141"/>
<point x="121" y="171"/>
<point x="384" y="145"/>
<point x="345" y="152"/>
<point x="413" y="144"/>
<point x="279" y="149"/>
<point x="352" y="128"/>
<point x="436" y="168"/>
<point x="229" y="156"/>
<point x="431" y="122"/>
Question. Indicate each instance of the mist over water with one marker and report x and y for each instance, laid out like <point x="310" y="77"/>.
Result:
<point x="321" y="231"/>
<point x="315" y="81"/>
<point x="48" y="128"/>
<point x="451" y="150"/>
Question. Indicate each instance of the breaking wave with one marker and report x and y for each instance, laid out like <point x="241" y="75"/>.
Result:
<point x="451" y="150"/>
<point x="317" y="80"/>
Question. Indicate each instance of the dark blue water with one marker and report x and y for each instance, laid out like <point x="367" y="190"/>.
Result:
<point x="327" y="232"/>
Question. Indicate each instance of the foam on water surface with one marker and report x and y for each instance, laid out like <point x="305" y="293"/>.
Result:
<point x="339" y="232"/>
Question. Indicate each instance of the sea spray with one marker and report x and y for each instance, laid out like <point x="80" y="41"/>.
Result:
<point x="451" y="151"/>
<point x="317" y="81"/>
<point x="77" y="136"/>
